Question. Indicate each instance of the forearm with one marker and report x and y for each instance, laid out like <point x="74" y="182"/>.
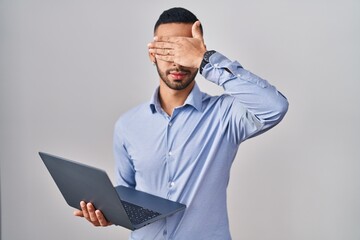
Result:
<point x="124" y="170"/>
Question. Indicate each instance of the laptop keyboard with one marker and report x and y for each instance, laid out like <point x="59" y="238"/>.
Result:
<point x="138" y="214"/>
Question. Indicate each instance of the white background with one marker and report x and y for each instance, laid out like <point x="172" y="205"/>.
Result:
<point x="69" y="69"/>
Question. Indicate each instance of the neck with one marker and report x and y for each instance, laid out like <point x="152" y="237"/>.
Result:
<point x="170" y="99"/>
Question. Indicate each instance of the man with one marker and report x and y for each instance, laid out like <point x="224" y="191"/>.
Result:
<point x="182" y="144"/>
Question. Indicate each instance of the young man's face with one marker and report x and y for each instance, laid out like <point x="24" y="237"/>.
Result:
<point x="173" y="75"/>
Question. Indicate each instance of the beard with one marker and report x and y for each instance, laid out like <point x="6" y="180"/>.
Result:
<point x="179" y="84"/>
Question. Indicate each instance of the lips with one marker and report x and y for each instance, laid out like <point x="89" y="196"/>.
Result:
<point x="177" y="75"/>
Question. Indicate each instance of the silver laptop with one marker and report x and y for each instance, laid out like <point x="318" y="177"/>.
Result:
<point x="120" y="205"/>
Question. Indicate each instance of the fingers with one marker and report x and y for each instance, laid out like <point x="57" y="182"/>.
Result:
<point x="185" y="51"/>
<point x="84" y="210"/>
<point x="78" y="213"/>
<point x="162" y="51"/>
<point x="161" y="44"/>
<point x="94" y="216"/>
<point x="161" y="48"/>
<point x="166" y="58"/>
<point x="167" y="39"/>
<point x="102" y="220"/>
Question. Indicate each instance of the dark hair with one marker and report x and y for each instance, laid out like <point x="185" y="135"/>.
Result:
<point x="176" y="15"/>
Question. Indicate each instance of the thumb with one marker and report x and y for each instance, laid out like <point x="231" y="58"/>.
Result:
<point x="196" y="31"/>
<point x="78" y="213"/>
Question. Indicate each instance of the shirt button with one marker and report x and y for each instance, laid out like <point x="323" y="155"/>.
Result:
<point x="170" y="153"/>
<point x="239" y="76"/>
<point x="171" y="184"/>
<point x="170" y="124"/>
<point x="216" y="65"/>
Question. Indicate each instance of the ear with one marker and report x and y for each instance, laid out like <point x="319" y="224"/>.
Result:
<point x="196" y="31"/>
<point x="152" y="58"/>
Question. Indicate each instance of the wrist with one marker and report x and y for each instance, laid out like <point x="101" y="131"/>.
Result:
<point x="206" y="59"/>
<point x="200" y="59"/>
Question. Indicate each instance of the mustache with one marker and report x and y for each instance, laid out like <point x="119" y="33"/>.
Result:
<point x="178" y="69"/>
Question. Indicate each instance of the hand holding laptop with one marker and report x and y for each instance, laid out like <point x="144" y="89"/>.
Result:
<point x="90" y="190"/>
<point x="91" y="214"/>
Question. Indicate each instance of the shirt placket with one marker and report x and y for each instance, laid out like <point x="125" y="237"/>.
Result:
<point x="170" y="156"/>
<point x="168" y="147"/>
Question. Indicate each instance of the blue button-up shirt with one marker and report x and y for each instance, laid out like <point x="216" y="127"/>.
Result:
<point x="186" y="157"/>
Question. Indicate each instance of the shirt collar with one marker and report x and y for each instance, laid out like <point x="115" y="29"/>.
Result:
<point x="194" y="99"/>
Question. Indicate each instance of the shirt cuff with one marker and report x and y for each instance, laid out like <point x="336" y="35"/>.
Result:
<point x="220" y="70"/>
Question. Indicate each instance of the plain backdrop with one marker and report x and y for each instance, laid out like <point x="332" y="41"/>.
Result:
<point x="69" y="69"/>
